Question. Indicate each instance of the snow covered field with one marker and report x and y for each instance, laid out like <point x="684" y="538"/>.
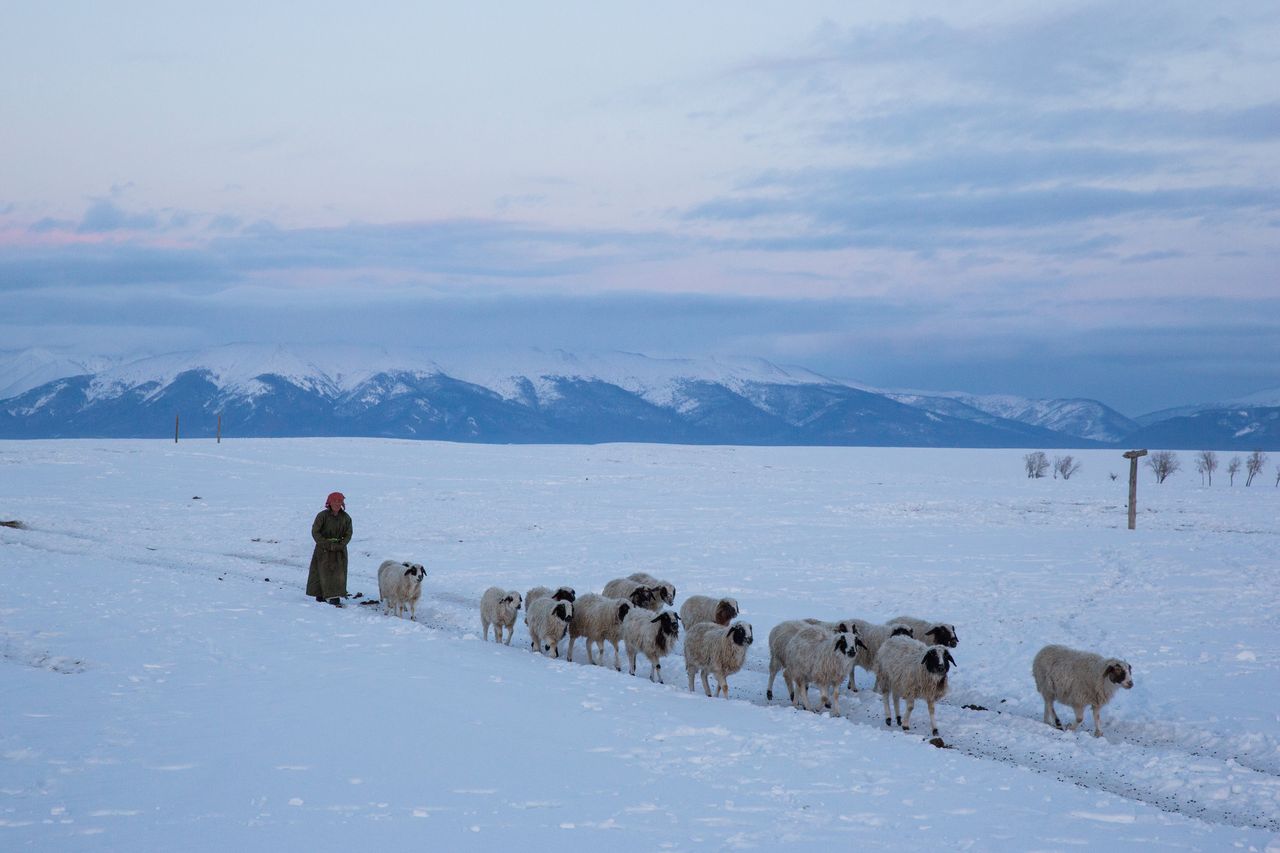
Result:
<point x="158" y="692"/>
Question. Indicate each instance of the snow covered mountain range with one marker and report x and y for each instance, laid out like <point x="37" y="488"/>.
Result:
<point x="536" y="396"/>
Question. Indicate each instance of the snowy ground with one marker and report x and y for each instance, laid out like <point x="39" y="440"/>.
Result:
<point x="157" y="691"/>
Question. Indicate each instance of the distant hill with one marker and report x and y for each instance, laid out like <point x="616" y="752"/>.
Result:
<point x="536" y="396"/>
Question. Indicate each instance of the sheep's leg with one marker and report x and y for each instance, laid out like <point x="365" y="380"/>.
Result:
<point x="834" y="705"/>
<point x="897" y="708"/>
<point x="1097" y="722"/>
<point x="906" y="721"/>
<point x="722" y="684"/>
<point x="690" y="673"/>
<point x="773" y="673"/>
<point x="888" y="719"/>
<point x="617" y="661"/>
<point x="655" y="669"/>
<point x="511" y="632"/>
<point x="573" y="641"/>
<point x="933" y="721"/>
<point x="485" y="634"/>
<point x="631" y="655"/>
<point x="1051" y="715"/>
<point x="706" y="685"/>
<point x="1079" y="709"/>
<point x="852" y="687"/>
<point x="413" y="611"/>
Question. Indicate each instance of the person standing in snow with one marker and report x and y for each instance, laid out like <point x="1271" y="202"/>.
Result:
<point x="327" y="579"/>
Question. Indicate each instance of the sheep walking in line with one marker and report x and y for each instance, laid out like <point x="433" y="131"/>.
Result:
<point x="872" y="636"/>
<point x="1077" y="679"/>
<point x="704" y="608"/>
<point x="716" y="650"/>
<point x="637" y="593"/>
<point x="929" y="633"/>
<point x="782" y="634"/>
<point x="599" y="620"/>
<point x="548" y="620"/>
<point x="908" y="669"/>
<point x="561" y="593"/>
<point x="498" y="607"/>
<point x="400" y="587"/>
<point x="815" y="656"/>
<point x="654" y="636"/>
<point x="666" y="589"/>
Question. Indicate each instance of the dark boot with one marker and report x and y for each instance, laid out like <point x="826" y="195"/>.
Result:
<point x="320" y="598"/>
<point x="336" y="602"/>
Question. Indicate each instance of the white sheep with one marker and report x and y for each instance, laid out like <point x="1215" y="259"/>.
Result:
<point x="666" y="589"/>
<point x="782" y="634"/>
<point x="814" y="655"/>
<point x="637" y="593"/>
<point x="1077" y="679"/>
<point x="872" y="636"/>
<point x="548" y="620"/>
<point x="929" y="633"/>
<point x="652" y="635"/>
<point x="498" y="607"/>
<point x="908" y="669"/>
<point x="561" y="593"/>
<point x="714" y="649"/>
<point x="400" y="586"/>
<point x="704" y="608"/>
<point x="599" y="620"/>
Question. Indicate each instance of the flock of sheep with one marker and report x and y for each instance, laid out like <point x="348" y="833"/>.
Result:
<point x="910" y="658"/>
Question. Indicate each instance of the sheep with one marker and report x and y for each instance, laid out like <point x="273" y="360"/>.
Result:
<point x="562" y="593"/>
<point x="654" y="636"/>
<point x="1077" y="678"/>
<point x="872" y="636"/>
<point x="666" y="589"/>
<point x="929" y="633"/>
<point x="782" y="634"/>
<point x="599" y="619"/>
<point x="704" y="608"/>
<point x="547" y="620"/>
<point x="400" y="586"/>
<point x="637" y="593"/>
<point x="498" y="607"/>
<point x="908" y="669"/>
<point x="816" y="656"/>
<point x="714" y="649"/>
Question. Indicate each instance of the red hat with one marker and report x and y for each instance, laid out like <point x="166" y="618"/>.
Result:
<point x="336" y="501"/>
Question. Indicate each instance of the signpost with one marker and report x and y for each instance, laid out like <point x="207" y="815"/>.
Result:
<point x="1133" y="456"/>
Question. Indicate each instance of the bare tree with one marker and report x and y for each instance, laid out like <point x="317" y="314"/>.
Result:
<point x="1163" y="463"/>
<point x="1113" y="475"/>
<point x="1036" y="463"/>
<point x="1233" y="468"/>
<point x="1206" y="463"/>
<point x="1066" y="466"/>
<point x="1254" y="464"/>
<point x="1278" y="476"/>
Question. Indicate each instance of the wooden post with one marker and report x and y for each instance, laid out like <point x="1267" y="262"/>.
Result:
<point x="219" y="429"/>
<point x="175" y="429"/>
<point x="1133" y="456"/>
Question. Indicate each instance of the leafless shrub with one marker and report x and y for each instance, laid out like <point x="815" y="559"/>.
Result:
<point x="1206" y="464"/>
<point x="1065" y="466"/>
<point x="1113" y="475"/>
<point x="1254" y="464"/>
<point x="1036" y="464"/>
<point x="1278" y="476"/>
<point x="16" y="525"/>
<point x="1163" y="463"/>
<point x="1233" y="468"/>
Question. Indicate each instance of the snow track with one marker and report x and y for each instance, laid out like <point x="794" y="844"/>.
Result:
<point x="1173" y="767"/>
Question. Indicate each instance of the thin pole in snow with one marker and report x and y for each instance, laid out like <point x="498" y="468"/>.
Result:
<point x="1133" y="456"/>
<point x="175" y="429"/>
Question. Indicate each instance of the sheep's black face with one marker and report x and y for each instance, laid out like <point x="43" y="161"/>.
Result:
<point x="846" y="648"/>
<point x="564" y="611"/>
<point x="938" y="661"/>
<point x="858" y="644"/>
<point x="669" y="625"/>
<point x="669" y="595"/>
<point x="942" y="635"/>
<point x="415" y="571"/>
<point x="565" y="593"/>
<point x="643" y="597"/>
<point x="1120" y="673"/>
<point x="740" y="635"/>
<point x="623" y="609"/>
<point x="901" y="631"/>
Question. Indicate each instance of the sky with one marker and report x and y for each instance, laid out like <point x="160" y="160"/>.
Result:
<point x="1045" y="199"/>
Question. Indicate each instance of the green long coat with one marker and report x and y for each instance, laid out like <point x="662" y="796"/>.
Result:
<point x="328" y="575"/>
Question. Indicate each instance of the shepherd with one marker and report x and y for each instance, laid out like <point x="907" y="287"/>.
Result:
<point x="331" y="530"/>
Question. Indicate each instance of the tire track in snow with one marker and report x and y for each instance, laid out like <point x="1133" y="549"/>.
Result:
<point x="1172" y="776"/>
